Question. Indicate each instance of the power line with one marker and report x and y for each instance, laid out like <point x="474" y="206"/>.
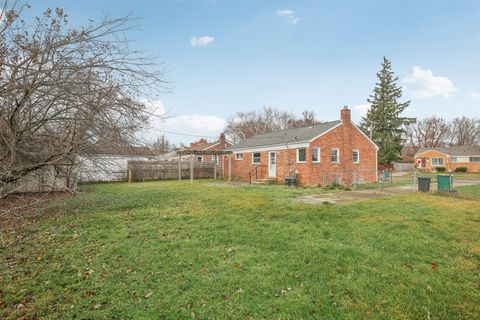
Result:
<point x="184" y="134"/>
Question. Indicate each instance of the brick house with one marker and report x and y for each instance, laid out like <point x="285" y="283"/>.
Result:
<point x="204" y="145"/>
<point x="450" y="158"/>
<point x="336" y="151"/>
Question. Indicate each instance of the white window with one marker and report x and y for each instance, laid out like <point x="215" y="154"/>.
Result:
<point x="475" y="159"/>
<point x="301" y="155"/>
<point x="437" y="162"/>
<point x="454" y="159"/>
<point x="256" y="157"/>
<point x="200" y="159"/>
<point x="356" y="156"/>
<point x="238" y="156"/>
<point x="316" y="155"/>
<point x="335" y="155"/>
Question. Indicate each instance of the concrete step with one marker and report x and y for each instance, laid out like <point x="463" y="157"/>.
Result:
<point x="264" y="181"/>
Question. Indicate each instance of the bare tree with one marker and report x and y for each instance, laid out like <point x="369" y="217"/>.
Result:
<point x="243" y="125"/>
<point x="429" y="132"/>
<point x="65" y="89"/>
<point x="161" y="145"/>
<point x="466" y="131"/>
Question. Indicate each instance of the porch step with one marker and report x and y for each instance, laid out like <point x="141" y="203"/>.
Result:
<point x="265" y="181"/>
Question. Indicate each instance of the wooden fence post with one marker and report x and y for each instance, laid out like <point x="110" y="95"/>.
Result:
<point x="191" y="168"/>
<point x="223" y="166"/>
<point x="179" y="167"/>
<point x="129" y="175"/>
<point x="215" y="170"/>
<point x="229" y="168"/>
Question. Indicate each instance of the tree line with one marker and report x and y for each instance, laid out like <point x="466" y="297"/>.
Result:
<point x="435" y="131"/>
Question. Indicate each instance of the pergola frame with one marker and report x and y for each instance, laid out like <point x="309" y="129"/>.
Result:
<point x="191" y="153"/>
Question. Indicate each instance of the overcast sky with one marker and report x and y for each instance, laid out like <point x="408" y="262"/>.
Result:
<point x="224" y="56"/>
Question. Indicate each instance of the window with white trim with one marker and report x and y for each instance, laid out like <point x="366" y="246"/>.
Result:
<point x="200" y="159"/>
<point x="335" y="155"/>
<point x="301" y="155"/>
<point x="316" y="155"/>
<point x="256" y="157"/>
<point x="474" y="159"/>
<point x="437" y="162"/>
<point x="356" y="156"/>
<point x="238" y="156"/>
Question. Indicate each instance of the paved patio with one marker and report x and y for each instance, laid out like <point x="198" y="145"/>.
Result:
<point x="362" y="195"/>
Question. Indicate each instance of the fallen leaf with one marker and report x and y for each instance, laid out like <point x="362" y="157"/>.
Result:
<point x="148" y="295"/>
<point x="91" y="293"/>
<point x="434" y="266"/>
<point x="202" y="269"/>
<point x="97" y="306"/>
<point x="129" y="270"/>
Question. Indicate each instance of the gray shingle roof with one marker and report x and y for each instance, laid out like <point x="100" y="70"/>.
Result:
<point x="454" y="150"/>
<point x="296" y="135"/>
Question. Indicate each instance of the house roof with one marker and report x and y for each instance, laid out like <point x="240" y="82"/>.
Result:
<point x="121" y="151"/>
<point x="297" y="135"/>
<point x="453" y="150"/>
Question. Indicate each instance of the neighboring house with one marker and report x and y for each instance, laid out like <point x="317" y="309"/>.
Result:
<point x="429" y="159"/>
<point x="204" y="145"/>
<point x="322" y="154"/>
<point x="110" y="163"/>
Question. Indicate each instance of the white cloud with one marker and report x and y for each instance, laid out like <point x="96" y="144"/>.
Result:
<point x="288" y="15"/>
<point x="208" y="126"/>
<point x="475" y="95"/>
<point x="204" y="41"/>
<point x="421" y="83"/>
<point x="360" y="110"/>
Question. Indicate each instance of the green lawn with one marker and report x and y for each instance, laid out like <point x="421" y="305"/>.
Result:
<point x="168" y="250"/>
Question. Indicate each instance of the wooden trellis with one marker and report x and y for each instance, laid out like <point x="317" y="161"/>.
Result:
<point x="193" y="153"/>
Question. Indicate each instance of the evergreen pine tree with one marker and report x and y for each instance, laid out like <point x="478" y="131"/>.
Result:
<point x="384" y="121"/>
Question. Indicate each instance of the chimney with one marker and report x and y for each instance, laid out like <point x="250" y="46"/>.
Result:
<point x="345" y="115"/>
<point x="222" y="140"/>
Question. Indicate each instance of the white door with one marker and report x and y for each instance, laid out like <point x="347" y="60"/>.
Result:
<point x="272" y="164"/>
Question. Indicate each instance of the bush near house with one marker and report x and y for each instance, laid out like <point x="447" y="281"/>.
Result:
<point x="461" y="169"/>
<point x="440" y="169"/>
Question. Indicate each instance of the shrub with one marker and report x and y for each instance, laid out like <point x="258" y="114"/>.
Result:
<point x="461" y="169"/>
<point x="440" y="169"/>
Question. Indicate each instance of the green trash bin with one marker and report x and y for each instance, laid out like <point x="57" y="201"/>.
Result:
<point x="423" y="184"/>
<point x="445" y="183"/>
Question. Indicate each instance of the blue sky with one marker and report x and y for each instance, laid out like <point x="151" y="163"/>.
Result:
<point x="224" y="56"/>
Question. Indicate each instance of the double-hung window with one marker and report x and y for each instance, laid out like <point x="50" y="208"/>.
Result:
<point x="301" y="155"/>
<point x="335" y="155"/>
<point x="238" y="156"/>
<point x="438" y="162"/>
<point x="356" y="156"/>
<point x="256" y="157"/>
<point x="316" y="155"/>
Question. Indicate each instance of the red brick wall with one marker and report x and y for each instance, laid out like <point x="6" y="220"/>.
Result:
<point x="345" y="137"/>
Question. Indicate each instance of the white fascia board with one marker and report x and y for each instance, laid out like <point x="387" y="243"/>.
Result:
<point x="416" y="155"/>
<point x="213" y="145"/>
<point x="277" y="147"/>
<point x="325" y="132"/>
